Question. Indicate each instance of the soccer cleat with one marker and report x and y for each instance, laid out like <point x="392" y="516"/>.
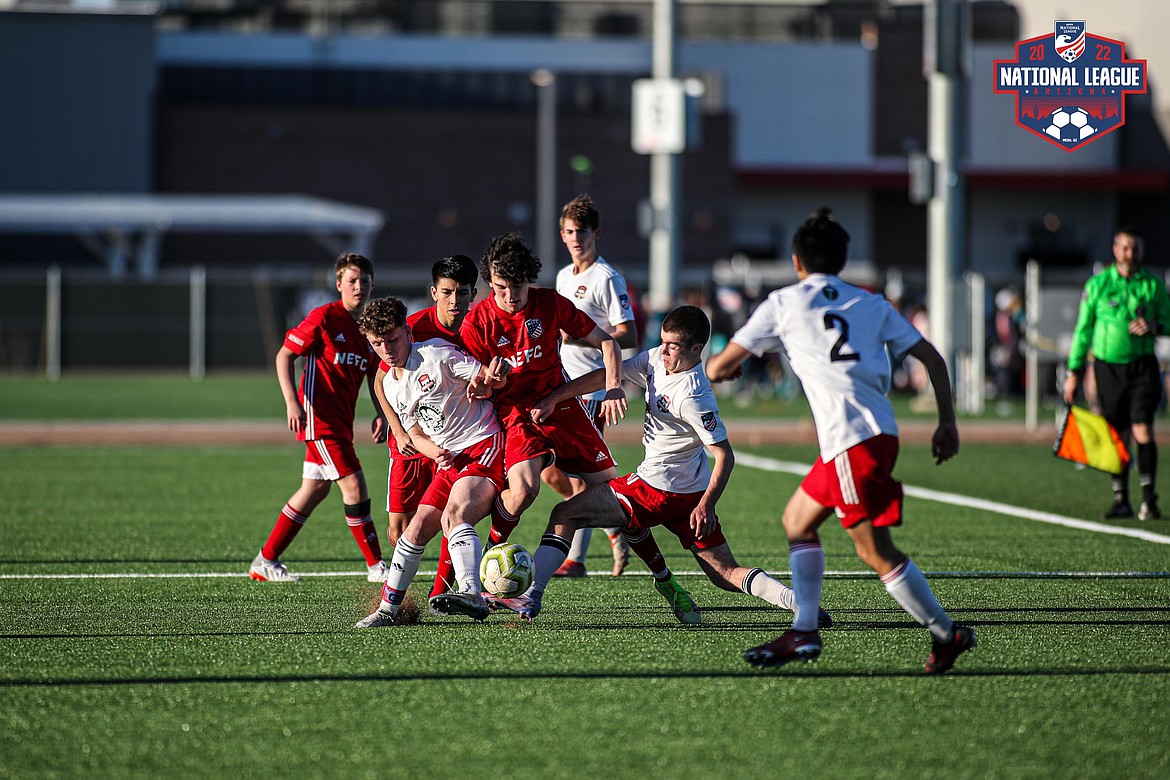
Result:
<point x="790" y="646"/>
<point x="944" y="654"/>
<point x="824" y="619"/>
<point x="377" y="619"/>
<point x="1120" y="510"/>
<point x="525" y="605"/>
<point x="378" y="572"/>
<point x="680" y="601"/>
<point x="1149" y="510"/>
<point x="621" y="554"/>
<point x="264" y="570"/>
<point x="570" y="568"/>
<point x="470" y="604"/>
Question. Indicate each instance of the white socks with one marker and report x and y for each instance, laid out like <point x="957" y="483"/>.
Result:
<point x="465" y="547"/>
<point x="910" y="589"/>
<point x="807" y="561"/>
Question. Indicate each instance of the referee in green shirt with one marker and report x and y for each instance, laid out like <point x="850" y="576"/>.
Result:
<point x="1123" y="309"/>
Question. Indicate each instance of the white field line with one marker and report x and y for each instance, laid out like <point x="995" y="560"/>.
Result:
<point x="800" y="469"/>
<point x="766" y="464"/>
<point x="592" y="572"/>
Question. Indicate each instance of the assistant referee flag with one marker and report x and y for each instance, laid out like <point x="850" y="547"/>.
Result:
<point x="1088" y="438"/>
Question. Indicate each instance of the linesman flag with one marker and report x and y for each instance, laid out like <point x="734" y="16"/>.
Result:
<point x="1089" y="439"/>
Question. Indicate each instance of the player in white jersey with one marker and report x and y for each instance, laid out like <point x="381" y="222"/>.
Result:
<point x="439" y="394"/>
<point x="838" y="338"/>
<point x="675" y="486"/>
<point x="596" y="288"/>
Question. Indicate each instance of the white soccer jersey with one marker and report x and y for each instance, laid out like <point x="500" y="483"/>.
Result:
<point x="836" y="337"/>
<point x="682" y="417"/>
<point x="599" y="291"/>
<point x="432" y="392"/>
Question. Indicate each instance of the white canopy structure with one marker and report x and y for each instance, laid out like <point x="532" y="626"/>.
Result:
<point x="121" y="228"/>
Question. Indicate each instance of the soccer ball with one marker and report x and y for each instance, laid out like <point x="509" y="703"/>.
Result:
<point x="506" y="570"/>
<point x="1069" y="123"/>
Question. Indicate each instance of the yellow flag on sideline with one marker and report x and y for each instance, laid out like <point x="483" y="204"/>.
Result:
<point x="1089" y="439"/>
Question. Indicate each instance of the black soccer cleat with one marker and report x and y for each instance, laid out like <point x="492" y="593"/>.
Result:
<point x="792" y="645"/>
<point x="944" y="654"/>
<point x="1121" y="510"/>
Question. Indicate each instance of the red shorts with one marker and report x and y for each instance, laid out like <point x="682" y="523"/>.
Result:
<point x="567" y="432"/>
<point x="406" y="482"/>
<point x="330" y="459"/>
<point x="482" y="459"/>
<point x="859" y="483"/>
<point x="647" y="506"/>
<point x="593" y="409"/>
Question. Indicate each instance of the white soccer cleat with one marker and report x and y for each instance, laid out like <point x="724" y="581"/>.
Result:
<point x="378" y="572"/>
<point x="264" y="570"/>
<point x="377" y="619"/>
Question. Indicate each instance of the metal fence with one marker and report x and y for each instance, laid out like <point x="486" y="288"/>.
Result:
<point x="194" y="321"/>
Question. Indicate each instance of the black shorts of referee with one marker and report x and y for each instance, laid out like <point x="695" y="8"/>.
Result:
<point x="1129" y="393"/>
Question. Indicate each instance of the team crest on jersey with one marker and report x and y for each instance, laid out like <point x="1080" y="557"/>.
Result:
<point x="426" y="383"/>
<point x="663" y="403"/>
<point x="624" y="300"/>
<point x="535" y="328"/>
<point x="1063" y="97"/>
<point x="710" y="420"/>
<point x="581" y="290"/>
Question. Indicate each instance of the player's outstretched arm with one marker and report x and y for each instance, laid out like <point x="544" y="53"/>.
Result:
<point x="945" y="443"/>
<point x="727" y="364"/>
<point x="614" y="405"/>
<point x="587" y="383"/>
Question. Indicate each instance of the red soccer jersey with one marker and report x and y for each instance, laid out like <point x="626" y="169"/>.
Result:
<point x="338" y="358"/>
<point x="529" y="339"/>
<point x="424" y="326"/>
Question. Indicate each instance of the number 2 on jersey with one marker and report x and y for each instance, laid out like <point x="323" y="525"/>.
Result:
<point x="838" y="353"/>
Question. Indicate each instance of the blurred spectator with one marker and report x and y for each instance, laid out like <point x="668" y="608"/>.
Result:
<point x="1005" y="345"/>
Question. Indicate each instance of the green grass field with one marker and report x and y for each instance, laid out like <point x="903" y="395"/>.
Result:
<point x="133" y="644"/>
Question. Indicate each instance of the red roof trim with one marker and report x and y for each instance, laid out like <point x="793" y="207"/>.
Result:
<point x="977" y="180"/>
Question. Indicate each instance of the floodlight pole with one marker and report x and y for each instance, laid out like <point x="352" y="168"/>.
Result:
<point x="665" y="186"/>
<point x="546" y="174"/>
<point x="944" y="62"/>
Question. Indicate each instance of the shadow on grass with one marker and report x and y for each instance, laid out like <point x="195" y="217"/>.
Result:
<point x="790" y="671"/>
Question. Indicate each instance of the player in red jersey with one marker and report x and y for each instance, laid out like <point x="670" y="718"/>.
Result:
<point x="411" y="472"/>
<point x="524" y="325"/>
<point x="338" y="359"/>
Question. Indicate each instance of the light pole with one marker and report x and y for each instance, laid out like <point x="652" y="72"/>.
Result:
<point x="546" y="173"/>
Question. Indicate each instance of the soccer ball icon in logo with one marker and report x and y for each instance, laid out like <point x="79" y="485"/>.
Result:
<point x="1069" y="124"/>
<point x="506" y="570"/>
